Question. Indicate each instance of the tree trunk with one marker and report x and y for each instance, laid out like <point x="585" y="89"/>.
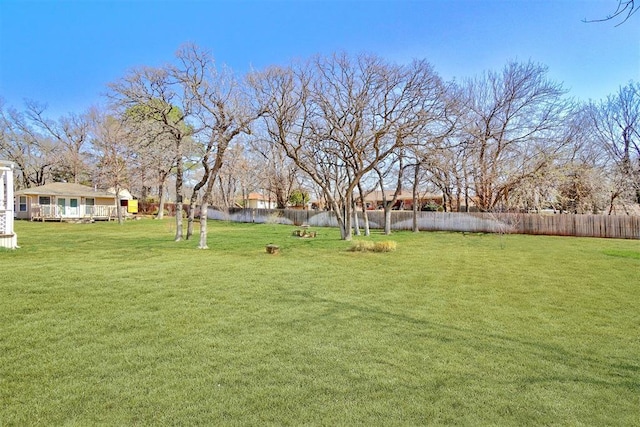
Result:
<point x="196" y="189"/>
<point x="119" y="206"/>
<point x="160" y="201"/>
<point x="193" y="202"/>
<point x="206" y="198"/>
<point x="191" y="216"/>
<point x="356" y="222"/>
<point x="458" y="194"/>
<point x="203" y="223"/>
<point x="612" y="201"/>
<point x="466" y="198"/>
<point x="387" y="220"/>
<point x="365" y="215"/>
<point x="281" y="199"/>
<point x="179" y="177"/>
<point x="386" y="206"/>
<point x="348" y="216"/>
<point x="414" y="200"/>
<point x="343" y="216"/>
<point x="346" y="231"/>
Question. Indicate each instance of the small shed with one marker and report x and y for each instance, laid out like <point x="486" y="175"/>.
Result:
<point x="8" y="238"/>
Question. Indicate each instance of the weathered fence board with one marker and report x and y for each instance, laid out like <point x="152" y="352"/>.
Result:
<point x="611" y="226"/>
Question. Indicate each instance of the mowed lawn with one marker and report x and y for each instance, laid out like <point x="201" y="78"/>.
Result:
<point x="102" y="324"/>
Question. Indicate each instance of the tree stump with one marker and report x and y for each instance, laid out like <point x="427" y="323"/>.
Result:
<point x="273" y="249"/>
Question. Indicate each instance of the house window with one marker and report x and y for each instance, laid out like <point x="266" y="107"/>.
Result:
<point x="22" y="204"/>
<point x="44" y="200"/>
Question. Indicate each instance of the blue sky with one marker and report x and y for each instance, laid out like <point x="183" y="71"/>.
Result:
<point x="63" y="53"/>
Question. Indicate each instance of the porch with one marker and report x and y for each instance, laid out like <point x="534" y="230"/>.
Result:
<point x="62" y="213"/>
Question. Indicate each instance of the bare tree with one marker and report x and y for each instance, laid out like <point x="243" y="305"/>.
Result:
<point x="223" y="110"/>
<point x="237" y="177"/>
<point x="150" y="95"/>
<point x="390" y="175"/>
<point x="30" y="150"/>
<point x="155" y="157"/>
<point x="338" y="117"/>
<point x="112" y="146"/>
<point x="445" y="169"/>
<point x="279" y="174"/>
<point x="436" y="158"/>
<point x="512" y="126"/>
<point x="616" y="124"/>
<point x="362" y="194"/>
<point x="71" y="134"/>
<point x="574" y="179"/>
<point x="625" y="9"/>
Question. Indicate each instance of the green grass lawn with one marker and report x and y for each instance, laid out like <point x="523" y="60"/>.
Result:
<point x="119" y="325"/>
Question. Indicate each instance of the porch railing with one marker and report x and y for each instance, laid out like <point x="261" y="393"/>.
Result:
<point x="44" y="212"/>
<point x="100" y="211"/>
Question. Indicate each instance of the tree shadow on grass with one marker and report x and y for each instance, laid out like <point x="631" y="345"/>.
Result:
<point x="614" y="371"/>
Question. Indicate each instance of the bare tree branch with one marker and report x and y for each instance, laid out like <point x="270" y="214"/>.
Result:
<point x="625" y="9"/>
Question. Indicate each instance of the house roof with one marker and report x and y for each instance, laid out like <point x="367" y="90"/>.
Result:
<point x="64" y="189"/>
<point x="376" y="196"/>
<point x="256" y="196"/>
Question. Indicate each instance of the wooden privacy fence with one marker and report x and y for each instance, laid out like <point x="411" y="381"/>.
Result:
<point x="611" y="226"/>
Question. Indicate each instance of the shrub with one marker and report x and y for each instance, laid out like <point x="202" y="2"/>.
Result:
<point x="388" y="246"/>
<point x="361" y="246"/>
<point x="367" y="246"/>
<point x="299" y="197"/>
<point x="431" y="207"/>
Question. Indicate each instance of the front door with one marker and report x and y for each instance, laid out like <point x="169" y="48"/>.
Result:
<point x="62" y="211"/>
<point x="68" y="208"/>
<point x="72" y="209"/>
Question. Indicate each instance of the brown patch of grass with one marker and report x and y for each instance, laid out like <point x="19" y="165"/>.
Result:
<point x="368" y="246"/>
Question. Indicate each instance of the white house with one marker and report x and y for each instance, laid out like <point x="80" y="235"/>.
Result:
<point x="8" y="238"/>
<point x="64" y="201"/>
<point x="259" y="201"/>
